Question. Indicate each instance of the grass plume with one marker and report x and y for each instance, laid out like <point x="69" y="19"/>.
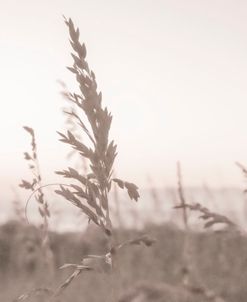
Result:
<point x="90" y="192"/>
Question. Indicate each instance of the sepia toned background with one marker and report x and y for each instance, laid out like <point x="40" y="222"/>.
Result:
<point x="173" y="74"/>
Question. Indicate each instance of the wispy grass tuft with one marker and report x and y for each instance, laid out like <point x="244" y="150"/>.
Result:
<point x="35" y="186"/>
<point x="90" y="192"/>
<point x="91" y="195"/>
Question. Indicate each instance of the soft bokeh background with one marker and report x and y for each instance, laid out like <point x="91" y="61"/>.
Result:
<point x="173" y="73"/>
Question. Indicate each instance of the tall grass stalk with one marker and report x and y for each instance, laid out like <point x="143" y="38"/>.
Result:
<point x="35" y="186"/>
<point x="191" y="279"/>
<point x="90" y="192"/>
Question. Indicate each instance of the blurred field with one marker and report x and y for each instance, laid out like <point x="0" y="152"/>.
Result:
<point x="188" y="246"/>
<point x="220" y="260"/>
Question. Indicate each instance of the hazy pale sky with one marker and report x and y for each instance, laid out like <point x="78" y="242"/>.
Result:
<point x="173" y="73"/>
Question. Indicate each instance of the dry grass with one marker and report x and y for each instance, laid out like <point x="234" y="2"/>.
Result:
<point x="220" y="260"/>
<point x="35" y="186"/>
<point x="90" y="192"/>
<point x="162" y="292"/>
<point x="191" y="286"/>
<point x="112" y="265"/>
<point x="91" y="195"/>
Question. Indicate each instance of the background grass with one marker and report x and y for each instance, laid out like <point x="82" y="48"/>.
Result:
<point x="220" y="260"/>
